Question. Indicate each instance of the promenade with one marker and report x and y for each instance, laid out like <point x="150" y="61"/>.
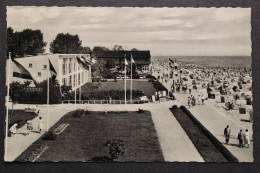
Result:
<point x="174" y="142"/>
<point x="215" y="121"/>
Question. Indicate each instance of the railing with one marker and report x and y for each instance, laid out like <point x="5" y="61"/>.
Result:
<point x="104" y="101"/>
<point x="113" y="101"/>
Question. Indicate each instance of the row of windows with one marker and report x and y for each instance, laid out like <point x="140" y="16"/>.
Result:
<point x="145" y="67"/>
<point x="69" y="67"/>
<point x="77" y="79"/>
<point x="44" y="66"/>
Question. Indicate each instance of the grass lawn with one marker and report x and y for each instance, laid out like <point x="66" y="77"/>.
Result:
<point x="84" y="138"/>
<point x="144" y="86"/>
<point x="205" y="147"/>
<point x="20" y="117"/>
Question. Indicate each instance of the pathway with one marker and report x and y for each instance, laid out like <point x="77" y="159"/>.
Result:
<point x="175" y="144"/>
<point x="215" y="121"/>
<point x="20" y="142"/>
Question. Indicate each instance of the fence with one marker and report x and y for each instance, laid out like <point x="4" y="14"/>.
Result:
<point x="105" y="101"/>
<point x="113" y="101"/>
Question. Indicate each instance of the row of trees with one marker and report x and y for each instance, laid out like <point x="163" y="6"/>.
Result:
<point x="30" y="42"/>
<point x="19" y="93"/>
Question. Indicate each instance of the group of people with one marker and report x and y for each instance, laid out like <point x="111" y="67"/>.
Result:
<point x="29" y="127"/>
<point x="192" y="100"/>
<point x="243" y="137"/>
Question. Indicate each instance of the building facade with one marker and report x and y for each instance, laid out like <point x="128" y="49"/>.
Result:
<point x="70" y="71"/>
<point x="142" y="58"/>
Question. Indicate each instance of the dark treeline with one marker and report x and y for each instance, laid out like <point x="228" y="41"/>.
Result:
<point x="30" y="42"/>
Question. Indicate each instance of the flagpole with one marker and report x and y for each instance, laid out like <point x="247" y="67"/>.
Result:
<point x="75" y="79"/>
<point x="80" y="82"/>
<point x="7" y="105"/>
<point x="125" y="78"/>
<point x="131" y="90"/>
<point x="48" y="94"/>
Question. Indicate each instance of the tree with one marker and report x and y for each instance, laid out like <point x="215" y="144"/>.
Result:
<point x="134" y="49"/>
<point x="85" y="50"/>
<point x="99" y="48"/>
<point x="110" y="64"/>
<point x="19" y="93"/>
<point x="117" y="48"/>
<point x="66" y="43"/>
<point x="27" y="42"/>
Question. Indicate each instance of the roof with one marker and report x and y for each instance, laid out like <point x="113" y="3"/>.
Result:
<point x="138" y="56"/>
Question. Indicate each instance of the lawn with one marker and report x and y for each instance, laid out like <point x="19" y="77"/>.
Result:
<point x="20" y="117"/>
<point x="84" y="138"/>
<point x="146" y="87"/>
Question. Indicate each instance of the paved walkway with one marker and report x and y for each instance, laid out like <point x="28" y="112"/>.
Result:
<point x="215" y="121"/>
<point x="20" y="142"/>
<point x="175" y="144"/>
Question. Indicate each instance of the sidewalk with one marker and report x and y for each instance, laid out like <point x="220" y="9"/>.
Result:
<point x="215" y="121"/>
<point x="20" y="142"/>
<point x="175" y="144"/>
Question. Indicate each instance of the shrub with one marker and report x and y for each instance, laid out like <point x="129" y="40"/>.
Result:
<point x="114" y="94"/>
<point x="116" y="148"/>
<point x="78" y="113"/>
<point x="86" y="112"/>
<point x="140" y="111"/>
<point x="49" y="136"/>
<point x="150" y="77"/>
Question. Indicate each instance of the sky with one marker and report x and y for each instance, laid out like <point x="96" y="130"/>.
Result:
<point x="163" y="31"/>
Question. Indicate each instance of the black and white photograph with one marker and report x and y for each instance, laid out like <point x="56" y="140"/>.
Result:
<point x="128" y="84"/>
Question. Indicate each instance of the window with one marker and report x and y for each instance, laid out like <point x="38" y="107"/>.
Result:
<point x="30" y="65"/>
<point x="145" y="68"/>
<point x="82" y="76"/>
<point x="63" y="69"/>
<point x="70" y="65"/>
<point x="70" y="80"/>
<point x="64" y="81"/>
<point x="79" y="79"/>
<point x="39" y="74"/>
<point x="74" y="80"/>
<point x="44" y="66"/>
<point x="64" y="66"/>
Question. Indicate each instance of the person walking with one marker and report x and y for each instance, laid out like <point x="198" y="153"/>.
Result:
<point x="202" y="99"/>
<point x="189" y="101"/>
<point x="190" y="89"/>
<point x="240" y="137"/>
<point x="199" y="99"/>
<point x="158" y="96"/>
<point x="40" y="125"/>
<point x="227" y="132"/>
<point x="247" y="138"/>
<point x="29" y="127"/>
<point x="194" y="101"/>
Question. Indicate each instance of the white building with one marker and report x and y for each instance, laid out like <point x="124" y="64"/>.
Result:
<point x="69" y="71"/>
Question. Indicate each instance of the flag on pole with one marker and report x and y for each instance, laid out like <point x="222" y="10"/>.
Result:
<point x="53" y="73"/>
<point x="132" y="59"/>
<point x="126" y="63"/>
<point x="171" y="61"/>
<point x="82" y="64"/>
<point x="19" y="71"/>
<point x="131" y="89"/>
<point x="125" y="76"/>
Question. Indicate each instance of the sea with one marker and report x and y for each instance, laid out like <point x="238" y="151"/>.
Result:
<point x="210" y="61"/>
